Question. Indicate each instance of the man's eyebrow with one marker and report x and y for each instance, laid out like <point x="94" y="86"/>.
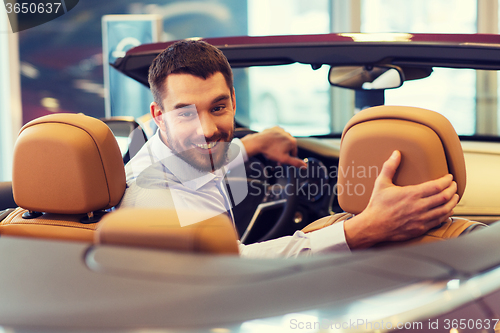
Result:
<point x="220" y="98"/>
<point x="180" y="106"/>
<point x="217" y="99"/>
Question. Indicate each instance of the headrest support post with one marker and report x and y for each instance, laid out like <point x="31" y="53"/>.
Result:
<point x="31" y="215"/>
<point x="92" y="217"/>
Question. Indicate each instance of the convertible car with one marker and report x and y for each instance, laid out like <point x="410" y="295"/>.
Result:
<point x="125" y="273"/>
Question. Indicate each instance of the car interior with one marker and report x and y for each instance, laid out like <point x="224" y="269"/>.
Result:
<point x="66" y="200"/>
<point x="129" y="134"/>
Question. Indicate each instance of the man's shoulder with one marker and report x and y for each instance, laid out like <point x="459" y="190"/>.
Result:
<point x="147" y="158"/>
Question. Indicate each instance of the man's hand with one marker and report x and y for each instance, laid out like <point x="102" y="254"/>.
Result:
<point x="275" y="144"/>
<point x="396" y="213"/>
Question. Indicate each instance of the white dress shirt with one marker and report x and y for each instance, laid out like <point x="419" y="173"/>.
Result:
<point x="156" y="177"/>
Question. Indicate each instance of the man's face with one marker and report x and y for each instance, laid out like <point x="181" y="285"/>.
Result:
<point x="197" y="120"/>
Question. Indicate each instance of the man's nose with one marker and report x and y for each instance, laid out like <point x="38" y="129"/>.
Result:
<point x="208" y="126"/>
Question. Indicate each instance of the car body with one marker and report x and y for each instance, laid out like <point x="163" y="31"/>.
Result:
<point x="454" y="284"/>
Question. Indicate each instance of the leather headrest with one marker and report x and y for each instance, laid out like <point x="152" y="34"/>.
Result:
<point x="429" y="146"/>
<point x="67" y="164"/>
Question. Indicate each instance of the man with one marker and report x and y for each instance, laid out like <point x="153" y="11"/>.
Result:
<point x="184" y="164"/>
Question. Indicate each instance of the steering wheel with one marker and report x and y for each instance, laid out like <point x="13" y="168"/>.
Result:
<point x="272" y="188"/>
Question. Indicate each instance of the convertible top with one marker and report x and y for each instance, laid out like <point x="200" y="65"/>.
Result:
<point x="479" y="51"/>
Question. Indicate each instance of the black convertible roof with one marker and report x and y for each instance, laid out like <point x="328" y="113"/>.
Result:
<point x="479" y="51"/>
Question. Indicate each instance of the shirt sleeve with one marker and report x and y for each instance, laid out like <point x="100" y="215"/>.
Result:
<point x="323" y="241"/>
<point x="243" y="151"/>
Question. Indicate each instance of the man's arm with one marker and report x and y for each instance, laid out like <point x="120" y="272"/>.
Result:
<point x="396" y="213"/>
<point x="275" y="144"/>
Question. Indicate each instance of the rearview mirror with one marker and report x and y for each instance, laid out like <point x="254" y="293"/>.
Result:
<point x="366" y="77"/>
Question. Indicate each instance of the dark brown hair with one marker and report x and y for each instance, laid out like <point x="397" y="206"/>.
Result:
<point x="193" y="57"/>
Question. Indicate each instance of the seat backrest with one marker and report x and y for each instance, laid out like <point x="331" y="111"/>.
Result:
<point x="66" y="166"/>
<point x="429" y="146"/>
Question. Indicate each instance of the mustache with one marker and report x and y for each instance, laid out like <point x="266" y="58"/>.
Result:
<point x="217" y="137"/>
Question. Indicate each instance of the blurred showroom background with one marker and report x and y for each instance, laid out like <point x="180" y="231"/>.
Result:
<point x="58" y="66"/>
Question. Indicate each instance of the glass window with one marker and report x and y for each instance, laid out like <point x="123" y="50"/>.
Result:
<point x="419" y="16"/>
<point x="451" y="92"/>
<point x="294" y="97"/>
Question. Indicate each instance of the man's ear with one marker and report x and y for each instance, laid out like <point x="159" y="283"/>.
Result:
<point x="233" y="99"/>
<point x="157" y="114"/>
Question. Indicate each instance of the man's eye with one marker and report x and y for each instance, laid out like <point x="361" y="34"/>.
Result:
<point x="186" y="114"/>
<point x="218" y="108"/>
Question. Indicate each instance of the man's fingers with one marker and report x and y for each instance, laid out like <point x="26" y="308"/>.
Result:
<point x="434" y="187"/>
<point x="433" y="218"/>
<point x="440" y="198"/>
<point x="294" y="161"/>
<point x="389" y="167"/>
<point x="295" y="150"/>
<point x="442" y="212"/>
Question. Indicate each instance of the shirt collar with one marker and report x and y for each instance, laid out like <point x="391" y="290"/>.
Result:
<point x="180" y="169"/>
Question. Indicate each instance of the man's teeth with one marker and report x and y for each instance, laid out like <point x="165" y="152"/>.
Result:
<point x="206" y="146"/>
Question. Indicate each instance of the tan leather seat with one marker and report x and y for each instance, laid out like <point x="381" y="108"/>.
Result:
<point x="66" y="167"/>
<point x="429" y="146"/>
<point x="160" y="228"/>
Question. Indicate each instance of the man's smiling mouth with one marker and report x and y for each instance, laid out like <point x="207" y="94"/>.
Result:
<point x="207" y="146"/>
